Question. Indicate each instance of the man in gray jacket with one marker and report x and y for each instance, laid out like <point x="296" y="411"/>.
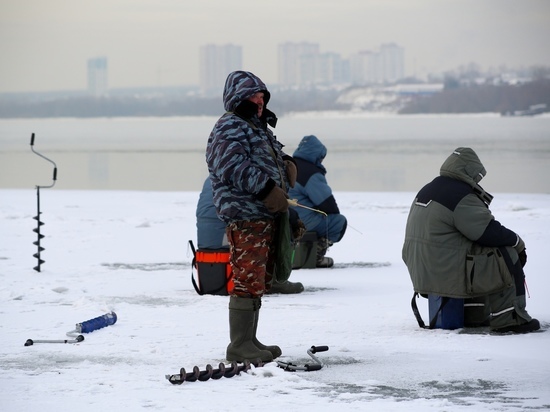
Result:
<point x="454" y="247"/>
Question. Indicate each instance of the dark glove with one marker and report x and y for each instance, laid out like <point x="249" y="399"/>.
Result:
<point x="522" y="257"/>
<point x="297" y="227"/>
<point x="276" y="200"/>
<point x="298" y="230"/>
<point x="291" y="172"/>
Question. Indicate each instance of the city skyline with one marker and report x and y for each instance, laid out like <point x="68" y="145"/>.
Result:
<point x="45" y="46"/>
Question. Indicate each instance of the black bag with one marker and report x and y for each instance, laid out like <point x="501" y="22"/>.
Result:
<point x="284" y="249"/>
<point x="214" y="276"/>
<point x="305" y="252"/>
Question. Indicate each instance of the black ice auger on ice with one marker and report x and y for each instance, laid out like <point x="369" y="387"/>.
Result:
<point x="39" y="223"/>
<point x="235" y="368"/>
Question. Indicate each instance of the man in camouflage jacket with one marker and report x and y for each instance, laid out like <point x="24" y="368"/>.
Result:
<point x="250" y="177"/>
<point x="454" y="247"/>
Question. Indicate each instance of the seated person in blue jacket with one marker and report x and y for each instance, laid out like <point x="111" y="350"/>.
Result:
<point x="211" y="234"/>
<point x="312" y="190"/>
<point x="210" y="229"/>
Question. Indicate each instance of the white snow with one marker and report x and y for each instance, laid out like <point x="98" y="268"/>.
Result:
<point x="128" y="252"/>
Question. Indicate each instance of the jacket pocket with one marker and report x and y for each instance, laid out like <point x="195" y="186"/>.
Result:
<point x="487" y="273"/>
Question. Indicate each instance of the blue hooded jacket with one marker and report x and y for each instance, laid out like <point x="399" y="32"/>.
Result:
<point x="311" y="188"/>
<point x="244" y="158"/>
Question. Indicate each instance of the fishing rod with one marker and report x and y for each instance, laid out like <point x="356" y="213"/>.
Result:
<point x="294" y="202"/>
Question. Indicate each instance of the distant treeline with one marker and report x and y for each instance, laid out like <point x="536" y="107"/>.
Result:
<point x="120" y="106"/>
<point x="455" y="98"/>
<point x="88" y="106"/>
<point x="482" y="98"/>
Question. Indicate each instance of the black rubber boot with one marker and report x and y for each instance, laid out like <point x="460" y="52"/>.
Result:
<point x="242" y="323"/>
<point x="286" y="288"/>
<point x="531" y="326"/>
<point x="274" y="349"/>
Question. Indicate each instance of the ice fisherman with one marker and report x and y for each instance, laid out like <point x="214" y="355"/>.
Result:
<point x="312" y="190"/>
<point x="250" y="176"/>
<point x="455" y="247"/>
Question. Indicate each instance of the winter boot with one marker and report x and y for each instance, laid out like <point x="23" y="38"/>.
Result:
<point x="286" y="288"/>
<point x="530" y="326"/>
<point x="274" y="349"/>
<point x="508" y="314"/>
<point x="322" y="246"/>
<point x="242" y="328"/>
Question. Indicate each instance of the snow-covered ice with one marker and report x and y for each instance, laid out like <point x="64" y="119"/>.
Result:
<point x="128" y="252"/>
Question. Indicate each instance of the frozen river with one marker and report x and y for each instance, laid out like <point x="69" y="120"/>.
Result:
<point x="365" y="152"/>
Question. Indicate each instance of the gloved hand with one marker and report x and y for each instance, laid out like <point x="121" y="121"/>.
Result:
<point x="276" y="200"/>
<point x="291" y="172"/>
<point x="297" y="227"/>
<point x="298" y="230"/>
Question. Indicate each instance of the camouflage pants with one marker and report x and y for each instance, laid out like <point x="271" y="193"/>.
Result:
<point x="251" y="256"/>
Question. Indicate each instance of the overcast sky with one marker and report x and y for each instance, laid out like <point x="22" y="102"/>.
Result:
<point x="45" y="44"/>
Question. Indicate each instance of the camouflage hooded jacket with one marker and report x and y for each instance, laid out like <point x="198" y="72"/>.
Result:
<point x="452" y="240"/>
<point x="244" y="158"/>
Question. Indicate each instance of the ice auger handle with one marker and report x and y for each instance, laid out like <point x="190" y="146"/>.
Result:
<point x="315" y="349"/>
<point x="39" y="223"/>
<point x="77" y="339"/>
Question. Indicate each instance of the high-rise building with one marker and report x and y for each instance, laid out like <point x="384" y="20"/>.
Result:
<point x="297" y="63"/>
<point x="216" y="62"/>
<point x="359" y="63"/>
<point x="332" y="69"/>
<point x="97" y="76"/>
<point x="387" y="65"/>
<point x="301" y="64"/>
<point x="393" y="62"/>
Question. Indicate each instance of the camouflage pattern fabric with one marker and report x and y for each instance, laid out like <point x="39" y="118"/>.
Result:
<point x="243" y="155"/>
<point x="251" y="256"/>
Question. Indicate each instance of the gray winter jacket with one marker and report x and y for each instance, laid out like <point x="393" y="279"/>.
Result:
<point x="452" y="240"/>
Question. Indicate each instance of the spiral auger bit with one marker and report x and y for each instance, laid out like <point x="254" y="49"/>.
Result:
<point x="227" y="371"/>
<point x="235" y="368"/>
<point x="39" y="223"/>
